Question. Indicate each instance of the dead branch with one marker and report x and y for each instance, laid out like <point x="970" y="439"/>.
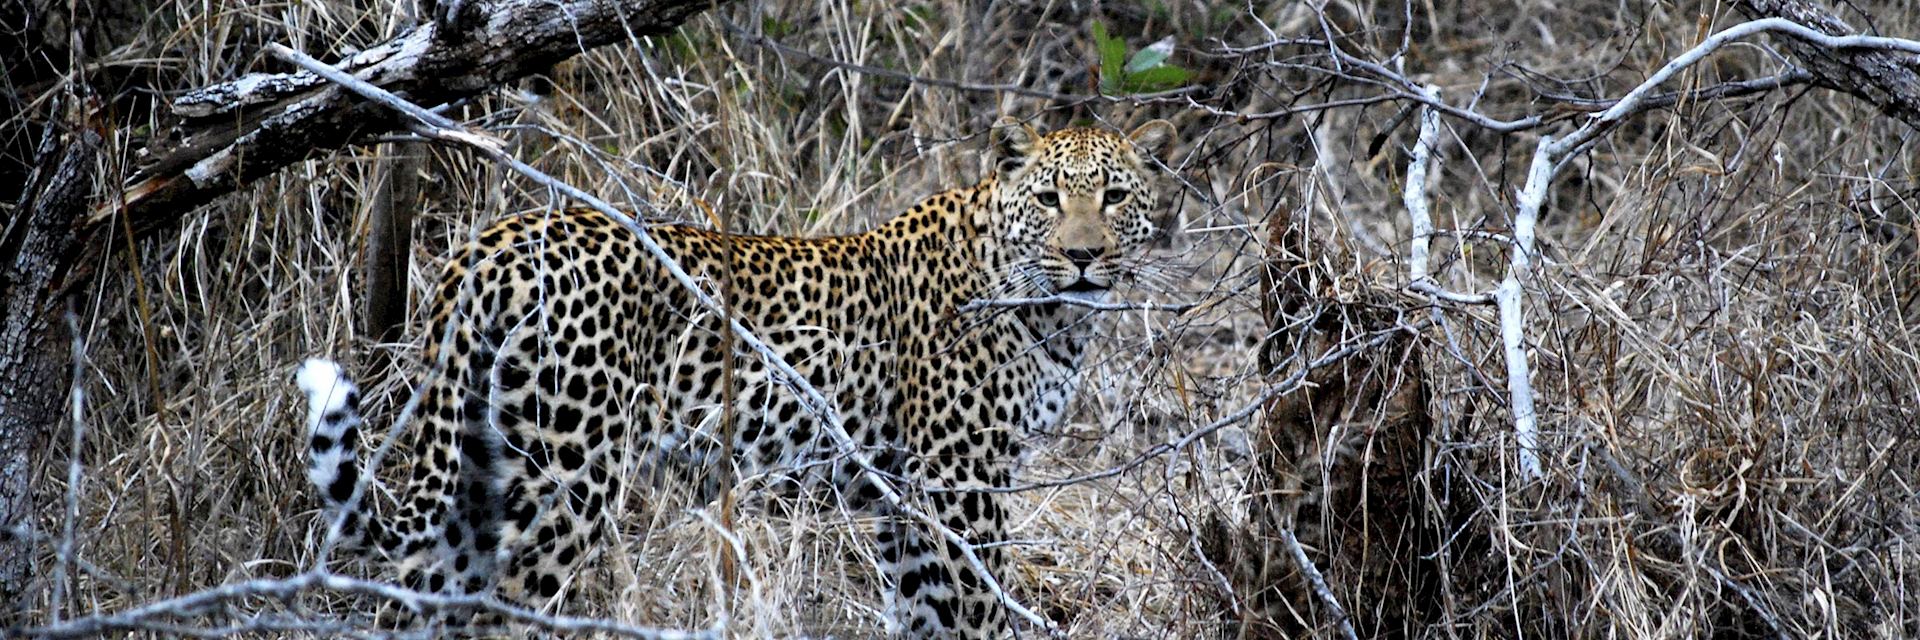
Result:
<point x="77" y="405"/>
<point x="1420" y="219"/>
<point x="1549" y="156"/>
<point x="160" y="615"/>
<point x="241" y="130"/>
<point x="1882" y="76"/>
<point x="1003" y="303"/>
<point x="1296" y="381"/>
<point x="1319" y="584"/>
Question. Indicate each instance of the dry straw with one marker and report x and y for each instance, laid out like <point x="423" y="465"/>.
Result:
<point x="1717" y="317"/>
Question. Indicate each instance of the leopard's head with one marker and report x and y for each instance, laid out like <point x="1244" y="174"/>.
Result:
<point x="1073" y="209"/>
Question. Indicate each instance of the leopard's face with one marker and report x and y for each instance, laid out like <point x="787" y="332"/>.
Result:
<point x="1073" y="209"/>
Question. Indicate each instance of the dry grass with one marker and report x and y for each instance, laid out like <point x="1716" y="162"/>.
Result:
<point x="1723" y="349"/>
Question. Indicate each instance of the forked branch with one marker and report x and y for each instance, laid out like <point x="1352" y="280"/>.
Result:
<point x="1549" y="156"/>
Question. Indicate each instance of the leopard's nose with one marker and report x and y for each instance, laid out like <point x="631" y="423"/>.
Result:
<point x="1081" y="258"/>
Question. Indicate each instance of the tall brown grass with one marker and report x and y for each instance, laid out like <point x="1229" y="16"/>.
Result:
<point x="1721" y="319"/>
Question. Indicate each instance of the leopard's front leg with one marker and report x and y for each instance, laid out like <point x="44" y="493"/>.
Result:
<point x="934" y="590"/>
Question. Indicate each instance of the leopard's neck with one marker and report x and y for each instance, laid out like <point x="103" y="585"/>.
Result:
<point x="952" y="233"/>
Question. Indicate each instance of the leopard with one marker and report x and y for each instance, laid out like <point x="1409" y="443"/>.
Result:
<point x="562" y="355"/>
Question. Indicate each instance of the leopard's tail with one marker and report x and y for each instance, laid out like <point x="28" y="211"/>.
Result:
<point x="333" y="464"/>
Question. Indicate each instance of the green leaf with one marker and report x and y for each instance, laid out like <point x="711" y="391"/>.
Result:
<point x="1156" y="79"/>
<point x="775" y="27"/>
<point x="1151" y="56"/>
<point x="1113" y="51"/>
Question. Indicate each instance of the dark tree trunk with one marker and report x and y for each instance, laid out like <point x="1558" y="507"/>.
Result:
<point x="36" y="249"/>
<point x="48" y="175"/>
<point x="389" y="244"/>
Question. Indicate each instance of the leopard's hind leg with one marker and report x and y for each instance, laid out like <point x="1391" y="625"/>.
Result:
<point x="413" y="537"/>
<point x="555" y="477"/>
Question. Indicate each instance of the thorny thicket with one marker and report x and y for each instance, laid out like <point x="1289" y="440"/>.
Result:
<point x="1719" y="331"/>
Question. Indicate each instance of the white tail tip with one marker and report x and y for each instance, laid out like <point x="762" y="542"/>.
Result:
<point x="327" y="388"/>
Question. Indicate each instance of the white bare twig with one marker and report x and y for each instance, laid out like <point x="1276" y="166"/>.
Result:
<point x="1630" y="103"/>
<point x="431" y="125"/>
<point x="1437" y="292"/>
<point x="1219" y="578"/>
<point x="976" y="305"/>
<point x="1415" y="194"/>
<point x="1513" y="328"/>
<point x="1319" y="583"/>
<point x="158" y="615"/>
<point x="77" y="396"/>
<point x="1548" y="157"/>
<point x="1419" y="216"/>
<point x="1526" y="428"/>
<point x="1636" y="101"/>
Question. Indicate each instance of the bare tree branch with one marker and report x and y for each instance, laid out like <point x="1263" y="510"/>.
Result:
<point x="1513" y="319"/>
<point x="77" y="405"/>
<point x="1733" y="89"/>
<point x="160" y="615"/>
<point x="289" y="117"/>
<point x="1870" y="69"/>
<point x="1835" y="45"/>
<point x="1549" y="156"/>
<point x="1419" y="219"/>
<point x="1294" y="382"/>
<point x="1319" y="583"/>
<point x="977" y="305"/>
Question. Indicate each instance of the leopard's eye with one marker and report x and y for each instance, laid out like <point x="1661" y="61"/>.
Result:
<point x="1116" y="196"/>
<point x="1048" y="198"/>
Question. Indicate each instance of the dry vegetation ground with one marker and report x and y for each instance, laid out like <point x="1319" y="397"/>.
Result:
<point x="1721" y="320"/>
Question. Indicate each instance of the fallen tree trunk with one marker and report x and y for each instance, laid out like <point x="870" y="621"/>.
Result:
<point x="238" y="131"/>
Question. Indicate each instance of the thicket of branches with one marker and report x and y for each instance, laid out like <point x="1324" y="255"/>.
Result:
<point x="1713" y="316"/>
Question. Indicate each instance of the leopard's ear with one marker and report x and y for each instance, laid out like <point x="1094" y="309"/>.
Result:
<point x="1153" y="138"/>
<point x="1012" y="144"/>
